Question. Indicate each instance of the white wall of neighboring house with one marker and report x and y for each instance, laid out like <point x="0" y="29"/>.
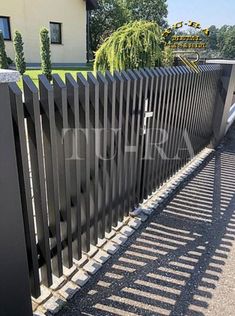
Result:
<point x="29" y="16"/>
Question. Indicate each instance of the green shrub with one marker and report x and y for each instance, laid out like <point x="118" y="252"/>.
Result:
<point x="9" y="61"/>
<point x="135" y="45"/>
<point x="3" y="55"/>
<point x="19" y="53"/>
<point x="45" y="53"/>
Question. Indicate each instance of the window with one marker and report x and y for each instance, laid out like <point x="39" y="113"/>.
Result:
<point x="5" y="27"/>
<point x="55" y="29"/>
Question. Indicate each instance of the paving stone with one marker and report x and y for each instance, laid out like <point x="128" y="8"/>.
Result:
<point x="126" y="219"/>
<point x="80" y="263"/>
<point x="119" y="239"/>
<point x="38" y="313"/>
<point x="81" y="278"/>
<point x="127" y="231"/>
<point x="45" y="294"/>
<point x="110" y="235"/>
<point x="136" y="212"/>
<point x="111" y="247"/>
<point x="93" y="251"/>
<point x="119" y="226"/>
<point x="92" y="267"/>
<point x="68" y="290"/>
<point x="54" y="305"/>
<point x="134" y="223"/>
<point x="34" y="306"/>
<point x="69" y="272"/>
<point x="101" y="242"/>
<point x="142" y="217"/>
<point x="101" y="256"/>
<point x="57" y="282"/>
<point x="148" y="211"/>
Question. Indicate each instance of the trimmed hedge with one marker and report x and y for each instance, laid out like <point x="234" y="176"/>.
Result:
<point x="46" y="53"/>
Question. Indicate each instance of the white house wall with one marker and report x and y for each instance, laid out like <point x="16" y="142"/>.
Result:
<point x="29" y="16"/>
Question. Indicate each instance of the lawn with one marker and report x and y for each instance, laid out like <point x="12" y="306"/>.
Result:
<point x="33" y="73"/>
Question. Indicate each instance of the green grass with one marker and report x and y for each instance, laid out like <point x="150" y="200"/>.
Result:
<point x="33" y="73"/>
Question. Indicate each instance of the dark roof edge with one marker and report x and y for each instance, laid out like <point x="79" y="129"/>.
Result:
<point x="91" y="4"/>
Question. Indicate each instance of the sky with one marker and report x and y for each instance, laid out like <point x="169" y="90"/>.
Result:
<point x="207" y="12"/>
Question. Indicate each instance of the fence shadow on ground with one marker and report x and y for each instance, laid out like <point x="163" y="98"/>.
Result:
<point x="173" y="265"/>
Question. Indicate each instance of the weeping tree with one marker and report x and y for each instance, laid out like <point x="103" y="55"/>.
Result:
<point x="136" y="45"/>
<point x="46" y="53"/>
<point x="3" y="55"/>
<point x="19" y="53"/>
<point x="167" y="57"/>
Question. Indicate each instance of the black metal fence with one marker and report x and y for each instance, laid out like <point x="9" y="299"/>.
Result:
<point x="90" y="150"/>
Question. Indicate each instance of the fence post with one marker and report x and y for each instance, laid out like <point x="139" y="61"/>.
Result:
<point x="224" y="99"/>
<point x="14" y="286"/>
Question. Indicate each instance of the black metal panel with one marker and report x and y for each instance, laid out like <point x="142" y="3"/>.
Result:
<point x="103" y="113"/>
<point x="112" y="154"/>
<point x="14" y="286"/>
<point x="120" y="161"/>
<point x="17" y="109"/>
<point x="85" y="159"/>
<point x="60" y="95"/>
<point x="94" y="162"/>
<point x="170" y="122"/>
<point x="126" y="135"/>
<point x="134" y="127"/>
<point x="139" y="134"/>
<point x="52" y="170"/>
<point x="34" y="130"/>
<point x="73" y="101"/>
<point x="149" y="106"/>
<point x="142" y="142"/>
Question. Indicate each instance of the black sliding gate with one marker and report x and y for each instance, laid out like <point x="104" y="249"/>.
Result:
<point x="90" y="150"/>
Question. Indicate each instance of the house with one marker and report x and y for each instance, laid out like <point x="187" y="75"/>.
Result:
<point x="66" y="20"/>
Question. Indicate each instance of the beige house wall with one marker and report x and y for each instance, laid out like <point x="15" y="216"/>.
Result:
<point x="29" y="16"/>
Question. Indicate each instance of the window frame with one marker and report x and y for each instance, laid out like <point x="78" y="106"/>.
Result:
<point x="60" y="28"/>
<point x="9" y="27"/>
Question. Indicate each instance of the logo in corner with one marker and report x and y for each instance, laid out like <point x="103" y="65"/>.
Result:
<point x="187" y="44"/>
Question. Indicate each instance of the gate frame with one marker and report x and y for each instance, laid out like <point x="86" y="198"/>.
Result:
<point x="14" y="273"/>
<point x="225" y="95"/>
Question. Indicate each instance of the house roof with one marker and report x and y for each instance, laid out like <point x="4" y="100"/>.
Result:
<point x="91" y="4"/>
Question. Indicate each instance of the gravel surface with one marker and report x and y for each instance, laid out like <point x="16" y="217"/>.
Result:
<point x="182" y="260"/>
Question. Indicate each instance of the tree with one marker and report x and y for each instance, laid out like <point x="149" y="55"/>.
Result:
<point x="3" y="55"/>
<point x="108" y="17"/>
<point x="228" y="50"/>
<point x="210" y="40"/>
<point x="154" y="10"/>
<point x="221" y="35"/>
<point x="45" y="54"/>
<point x="19" y="53"/>
<point x="136" y="45"/>
<point x="167" y="57"/>
<point x="112" y="14"/>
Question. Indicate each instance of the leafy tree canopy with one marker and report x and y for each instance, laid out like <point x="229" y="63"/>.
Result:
<point x="228" y="50"/>
<point x="154" y="10"/>
<point x="112" y="14"/>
